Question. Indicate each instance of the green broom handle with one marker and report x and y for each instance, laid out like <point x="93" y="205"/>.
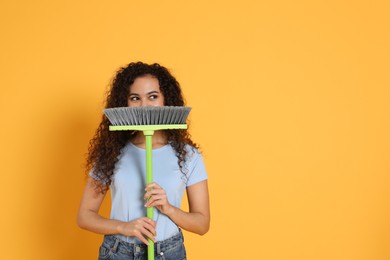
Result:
<point x="149" y="179"/>
<point x="148" y="131"/>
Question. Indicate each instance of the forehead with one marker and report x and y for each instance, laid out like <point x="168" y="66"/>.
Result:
<point x="145" y="83"/>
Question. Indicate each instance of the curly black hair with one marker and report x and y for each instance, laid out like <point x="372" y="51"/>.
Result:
<point x="105" y="147"/>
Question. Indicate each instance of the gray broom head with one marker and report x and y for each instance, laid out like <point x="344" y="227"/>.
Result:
<point x="167" y="115"/>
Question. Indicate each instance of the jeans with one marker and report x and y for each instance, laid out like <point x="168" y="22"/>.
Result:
<point x="115" y="249"/>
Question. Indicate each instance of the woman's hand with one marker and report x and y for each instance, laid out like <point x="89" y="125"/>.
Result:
<point x="156" y="197"/>
<point x="140" y="228"/>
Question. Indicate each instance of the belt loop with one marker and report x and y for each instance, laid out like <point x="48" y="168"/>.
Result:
<point x="158" y="248"/>
<point x="115" y="246"/>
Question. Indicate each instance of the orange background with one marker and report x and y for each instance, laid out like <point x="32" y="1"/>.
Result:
<point x="290" y="105"/>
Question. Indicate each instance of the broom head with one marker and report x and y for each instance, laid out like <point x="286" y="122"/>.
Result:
<point x="166" y="115"/>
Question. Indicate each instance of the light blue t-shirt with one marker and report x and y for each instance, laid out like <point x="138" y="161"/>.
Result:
<point x="129" y="182"/>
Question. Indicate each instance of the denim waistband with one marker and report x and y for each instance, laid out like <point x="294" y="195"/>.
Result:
<point x="116" y="244"/>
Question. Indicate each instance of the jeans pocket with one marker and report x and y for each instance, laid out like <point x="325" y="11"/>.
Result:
<point x="104" y="252"/>
<point x="175" y="253"/>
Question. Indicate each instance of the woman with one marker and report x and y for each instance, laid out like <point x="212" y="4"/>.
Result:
<point x="116" y="161"/>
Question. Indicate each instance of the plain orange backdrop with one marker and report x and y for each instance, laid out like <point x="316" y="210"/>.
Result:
<point x="290" y="105"/>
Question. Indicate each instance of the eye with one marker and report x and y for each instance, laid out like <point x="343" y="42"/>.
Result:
<point x="133" y="98"/>
<point x="153" y="97"/>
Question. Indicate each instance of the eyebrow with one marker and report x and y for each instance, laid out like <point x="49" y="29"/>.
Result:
<point x="151" y="92"/>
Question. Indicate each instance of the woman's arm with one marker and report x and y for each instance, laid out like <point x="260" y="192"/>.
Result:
<point x="88" y="218"/>
<point x="197" y="220"/>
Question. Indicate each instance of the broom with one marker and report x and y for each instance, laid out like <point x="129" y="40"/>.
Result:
<point x="147" y="119"/>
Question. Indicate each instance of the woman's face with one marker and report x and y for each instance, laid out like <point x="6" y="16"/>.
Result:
<point x="145" y="91"/>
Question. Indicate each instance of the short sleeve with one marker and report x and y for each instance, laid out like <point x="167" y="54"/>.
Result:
<point x="197" y="169"/>
<point x="94" y="176"/>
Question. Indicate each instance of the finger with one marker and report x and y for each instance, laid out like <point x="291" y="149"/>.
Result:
<point x="151" y="229"/>
<point x="156" y="201"/>
<point x="148" y="234"/>
<point x="152" y="199"/>
<point x="150" y="221"/>
<point x="150" y="226"/>
<point x="153" y="193"/>
<point x="151" y="186"/>
<point x="145" y="228"/>
<point x="149" y="190"/>
<point x="141" y="237"/>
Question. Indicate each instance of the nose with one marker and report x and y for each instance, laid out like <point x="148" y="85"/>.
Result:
<point x="145" y="103"/>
